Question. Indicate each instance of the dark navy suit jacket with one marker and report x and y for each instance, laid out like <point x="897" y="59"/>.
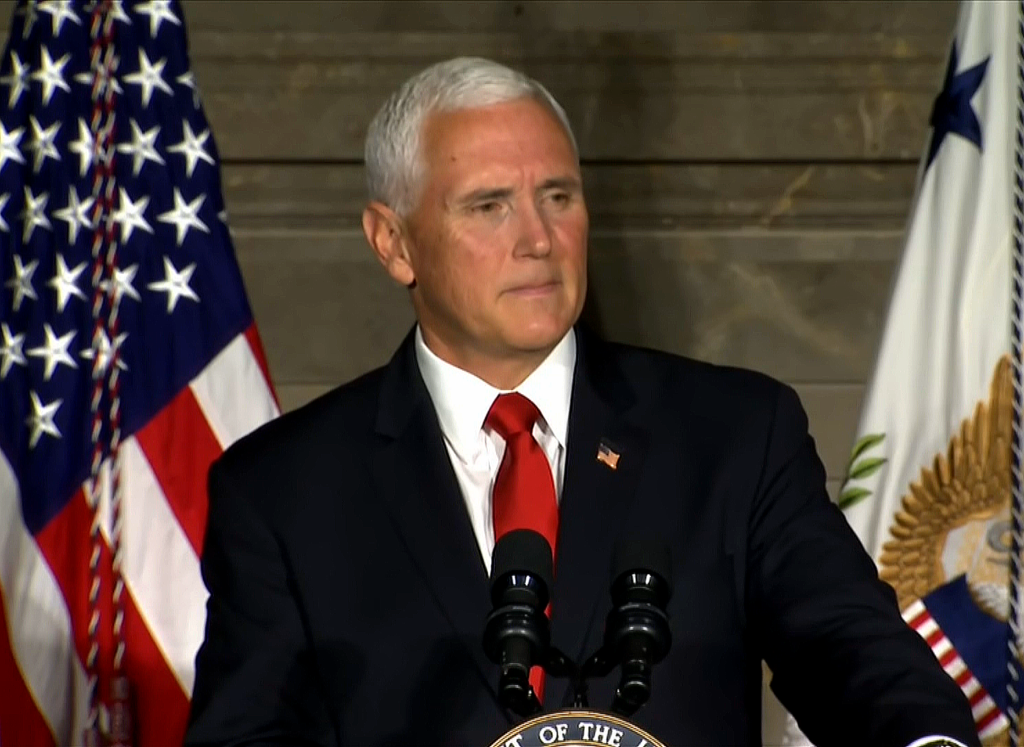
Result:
<point x="348" y="595"/>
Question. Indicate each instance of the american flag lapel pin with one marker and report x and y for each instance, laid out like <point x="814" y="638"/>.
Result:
<point x="607" y="456"/>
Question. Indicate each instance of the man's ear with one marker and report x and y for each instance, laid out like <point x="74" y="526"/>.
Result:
<point x="386" y="234"/>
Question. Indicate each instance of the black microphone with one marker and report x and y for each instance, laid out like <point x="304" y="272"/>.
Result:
<point x="517" y="635"/>
<point x="637" y="633"/>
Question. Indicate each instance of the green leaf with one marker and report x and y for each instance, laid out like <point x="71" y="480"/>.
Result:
<point x="865" y="443"/>
<point x="866" y="467"/>
<point x="852" y="496"/>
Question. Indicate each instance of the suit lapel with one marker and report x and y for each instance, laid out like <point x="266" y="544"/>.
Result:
<point x="595" y="500"/>
<point x="419" y="490"/>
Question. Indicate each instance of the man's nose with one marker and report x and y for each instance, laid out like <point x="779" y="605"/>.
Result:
<point x="534" y="232"/>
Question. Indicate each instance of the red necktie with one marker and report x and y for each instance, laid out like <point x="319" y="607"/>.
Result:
<point x="524" y="489"/>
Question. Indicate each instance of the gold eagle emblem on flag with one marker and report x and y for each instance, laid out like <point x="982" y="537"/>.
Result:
<point x="955" y="520"/>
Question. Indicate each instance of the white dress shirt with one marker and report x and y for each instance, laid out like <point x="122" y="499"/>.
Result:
<point x="462" y="402"/>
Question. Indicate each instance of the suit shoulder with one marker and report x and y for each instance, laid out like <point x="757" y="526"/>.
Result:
<point x="346" y="412"/>
<point x="734" y="409"/>
<point x="667" y="375"/>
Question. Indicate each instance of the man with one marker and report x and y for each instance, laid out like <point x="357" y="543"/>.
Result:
<point x="349" y="542"/>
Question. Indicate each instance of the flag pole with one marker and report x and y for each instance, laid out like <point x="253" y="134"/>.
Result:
<point x="1016" y="477"/>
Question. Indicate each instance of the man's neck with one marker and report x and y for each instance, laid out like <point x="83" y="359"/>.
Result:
<point x="504" y="373"/>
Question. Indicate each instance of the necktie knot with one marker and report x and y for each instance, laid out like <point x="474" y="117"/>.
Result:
<point x="512" y="414"/>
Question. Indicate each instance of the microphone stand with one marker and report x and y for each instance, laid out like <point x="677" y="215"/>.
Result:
<point x="598" y="665"/>
<point x="560" y="665"/>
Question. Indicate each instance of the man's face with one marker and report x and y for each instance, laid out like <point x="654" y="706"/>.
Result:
<point x="498" y="240"/>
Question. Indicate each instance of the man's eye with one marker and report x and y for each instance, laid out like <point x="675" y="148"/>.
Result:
<point x="487" y="208"/>
<point x="559" y="200"/>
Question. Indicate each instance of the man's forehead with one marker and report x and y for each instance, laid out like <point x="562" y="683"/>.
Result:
<point x="494" y="124"/>
<point x="485" y="147"/>
<point x="483" y="177"/>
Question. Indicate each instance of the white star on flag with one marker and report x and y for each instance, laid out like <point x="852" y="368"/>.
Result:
<point x="17" y="81"/>
<point x="82" y="147"/>
<point x="102" y="78"/>
<point x="117" y="11"/>
<point x="148" y="77"/>
<point x="51" y="75"/>
<point x="65" y="283"/>
<point x="55" y="351"/>
<point x="3" y="203"/>
<point x="103" y="352"/>
<point x="29" y="11"/>
<point x="122" y="284"/>
<point x="42" y="143"/>
<point x="158" y="11"/>
<point x="34" y="214"/>
<point x="131" y="215"/>
<point x="76" y="214"/>
<point x="11" y="351"/>
<point x="188" y="80"/>
<point x="9" y="150"/>
<point x="191" y="147"/>
<point x="175" y="284"/>
<point x="184" y="216"/>
<point x="142" y="147"/>
<point x="60" y="11"/>
<point x="22" y="281"/>
<point x="41" y="419"/>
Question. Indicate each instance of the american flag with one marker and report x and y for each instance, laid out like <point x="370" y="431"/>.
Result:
<point x="129" y="361"/>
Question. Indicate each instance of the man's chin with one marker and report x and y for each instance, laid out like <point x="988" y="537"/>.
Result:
<point x="538" y="338"/>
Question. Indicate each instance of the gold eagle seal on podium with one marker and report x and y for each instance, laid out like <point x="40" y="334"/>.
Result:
<point x="576" y="729"/>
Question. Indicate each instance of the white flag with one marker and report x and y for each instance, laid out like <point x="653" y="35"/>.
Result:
<point x="928" y="486"/>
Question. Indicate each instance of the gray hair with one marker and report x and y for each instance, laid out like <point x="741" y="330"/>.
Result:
<point x="394" y="164"/>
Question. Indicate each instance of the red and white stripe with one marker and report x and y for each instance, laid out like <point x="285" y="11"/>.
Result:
<point x="45" y="579"/>
<point x="988" y="719"/>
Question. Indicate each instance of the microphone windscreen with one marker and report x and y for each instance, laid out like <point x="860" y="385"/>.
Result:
<point x="523" y="551"/>
<point x="635" y="554"/>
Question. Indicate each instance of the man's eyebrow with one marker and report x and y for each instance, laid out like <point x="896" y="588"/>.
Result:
<point x="567" y="183"/>
<point x="484" y="194"/>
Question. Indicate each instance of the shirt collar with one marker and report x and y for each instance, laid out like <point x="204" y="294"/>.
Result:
<point x="462" y="400"/>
